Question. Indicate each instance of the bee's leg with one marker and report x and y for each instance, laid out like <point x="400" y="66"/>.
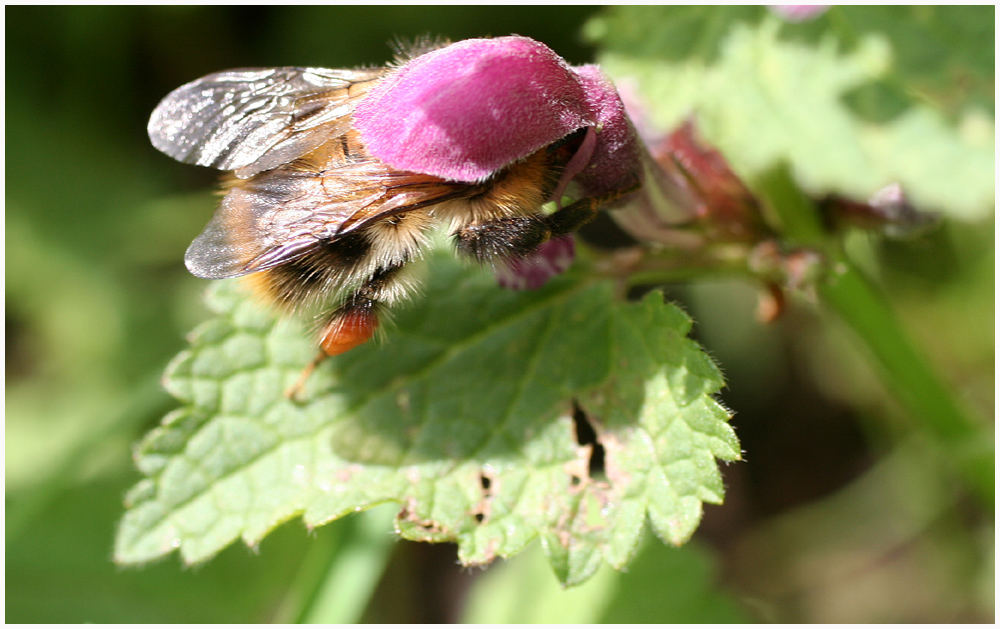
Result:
<point x="355" y="321"/>
<point x="501" y="238"/>
<point x="578" y="213"/>
<point x="518" y="236"/>
<point x="350" y="325"/>
<point x="293" y="391"/>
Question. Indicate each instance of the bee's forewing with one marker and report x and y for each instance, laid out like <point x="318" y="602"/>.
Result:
<point x="254" y="120"/>
<point x="279" y="215"/>
<point x="269" y="220"/>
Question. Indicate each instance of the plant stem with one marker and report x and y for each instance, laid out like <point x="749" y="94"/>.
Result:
<point x="338" y="576"/>
<point x="910" y="377"/>
<point x="905" y="370"/>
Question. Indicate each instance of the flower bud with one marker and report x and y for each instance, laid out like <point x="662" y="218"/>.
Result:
<point x="534" y="270"/>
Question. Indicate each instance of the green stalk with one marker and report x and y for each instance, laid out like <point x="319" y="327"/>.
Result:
<point x="910" y="377"/>
<point x="339" y="574"/>
<point x="905" y="370"/>
<point x="347" y="588"/>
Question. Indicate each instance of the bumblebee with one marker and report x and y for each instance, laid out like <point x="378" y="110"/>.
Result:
<point x="315" y="221"/>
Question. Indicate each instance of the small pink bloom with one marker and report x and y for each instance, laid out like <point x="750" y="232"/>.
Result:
<point x="533" y="271"/>
<point x="888" y="209"/>
<point x="464" y="111"/>
<point x="799" y="12"/>
<point x="688" y="181"/>
<point x="723" y="201"/>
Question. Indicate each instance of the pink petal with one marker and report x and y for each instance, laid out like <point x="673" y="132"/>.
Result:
<point x="724" y="200"/>
<point x="534" y="270"/>
<point x="464" y="111"/>
<point x="799" y="12"/>
<point x="575" y="165"/>
<point x="615" y="164"/>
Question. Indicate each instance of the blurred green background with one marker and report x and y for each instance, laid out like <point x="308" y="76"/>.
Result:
<point x="841" y="511"/>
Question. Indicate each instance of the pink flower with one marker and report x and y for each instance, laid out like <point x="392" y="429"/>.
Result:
<point x="533" y="271"/>
<point x="615" y="162"/>
<point x="464" y="111"/>
<point x="799" y="12"/>
<point x="723" y="203"/>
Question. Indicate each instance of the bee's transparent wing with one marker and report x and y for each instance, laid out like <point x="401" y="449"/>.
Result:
<point x="283" y="214"/>
<point x="253" y="120"/>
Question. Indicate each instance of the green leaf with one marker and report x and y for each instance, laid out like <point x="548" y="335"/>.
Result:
<point x="463" y="417"/>
<point x="765" y="93"/>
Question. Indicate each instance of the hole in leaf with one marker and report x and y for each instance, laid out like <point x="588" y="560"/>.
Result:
<point x="587" y="436"/>
<point x="484" y="481"/>
<point x="480" y="517"/>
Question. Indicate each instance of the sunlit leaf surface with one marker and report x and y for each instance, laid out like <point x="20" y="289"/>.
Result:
<point x="849" y="107"/>
<point x="464" y="417"/>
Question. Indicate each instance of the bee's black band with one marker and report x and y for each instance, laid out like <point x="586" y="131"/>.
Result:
<point x="301" y="279"/>
<point x="507" y="237"/>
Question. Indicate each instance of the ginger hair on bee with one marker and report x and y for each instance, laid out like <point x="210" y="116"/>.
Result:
<point x="398" y="238"/>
